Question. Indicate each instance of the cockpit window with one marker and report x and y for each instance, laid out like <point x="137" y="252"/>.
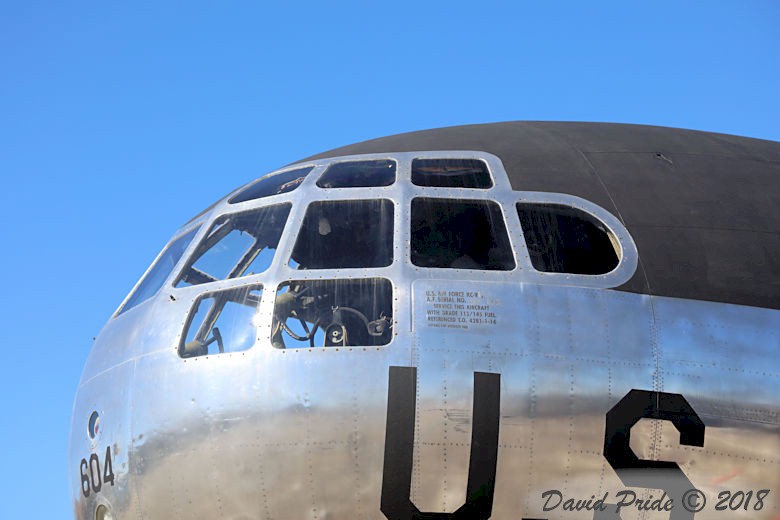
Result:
<point x="358" y="174"/>
<point x="272" y="184"/>
<point x="333" y="313"/>
<point x="562" y="239"/>
<point x="460" y="234"/>
<point x="237" y="245"/>
<point x="344" y="234"/>
<point x="451" y="173"/>
<point x="222" y="321"/>
<point x="159" y="271"/>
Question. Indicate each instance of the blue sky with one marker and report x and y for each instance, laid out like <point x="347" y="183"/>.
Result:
<point x="120" y="122"/>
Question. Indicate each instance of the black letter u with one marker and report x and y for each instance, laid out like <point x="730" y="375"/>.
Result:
<point x="399" y="449"/>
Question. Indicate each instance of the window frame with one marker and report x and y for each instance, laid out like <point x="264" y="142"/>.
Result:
<point x="490" y="205"/>
<point x="583" y="216"/>
<point x="196" y="231"/>
<point x="337" y="164"/>
<point x="221" y="303"/>
<point x="488" y="172"/>
<point x="230" y="199"/>
<point x="301" y="219"/>
<point x="191" y="260"/>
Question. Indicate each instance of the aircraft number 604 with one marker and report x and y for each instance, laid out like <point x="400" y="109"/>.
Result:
<point x="92" y="479"/>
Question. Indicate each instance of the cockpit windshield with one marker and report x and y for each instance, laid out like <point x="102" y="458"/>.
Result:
<point x="459" y="234"/>
<point x="358" y="174"/>
<point x="563" y="239"/>
<point x="156" y="276"/>
<point x="451" y="173"/>
<point x="237" y="245"/>
<point x="344" y="234"/>
<point x="272" y="184"/>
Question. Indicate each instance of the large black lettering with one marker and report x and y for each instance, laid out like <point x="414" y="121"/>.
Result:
<point x="396" y="503"/>
<point x="652" y="474"/>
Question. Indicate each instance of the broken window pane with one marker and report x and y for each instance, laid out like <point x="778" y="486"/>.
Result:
<point x="460" y="234"/>
<point x="272" y="184"/>
<point x="358" y="174"/>
<point x="451" y="173"/>
<point x="237" y="245"/>
<point x="159" y="271"/>
<point x="326" y="313"/>
<point x="562" y="239"/>
<point x="345" y="233"/>
<point x="222" y="321"/>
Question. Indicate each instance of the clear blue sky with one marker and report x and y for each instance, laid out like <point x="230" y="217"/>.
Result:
<point x="120" y="122"/>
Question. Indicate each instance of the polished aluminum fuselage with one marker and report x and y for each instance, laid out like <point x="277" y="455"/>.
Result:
<point x="299" y="433"/>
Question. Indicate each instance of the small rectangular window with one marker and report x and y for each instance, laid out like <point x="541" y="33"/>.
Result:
<point x="156" y="276"/>
<point x="358" y="174"/>
<point x="272" y="184"/>
<point x="562" y="239"/>
<point x="237" y="245"/>
<point x="222" y="321"/>
<point x="451" y="173"/>
<point x="460" y="234"/>
<point x="332" y="313"/>
<point x="345" y="234"/>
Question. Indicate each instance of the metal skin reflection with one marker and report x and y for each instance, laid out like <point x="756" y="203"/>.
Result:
<point x="541" y="381"/>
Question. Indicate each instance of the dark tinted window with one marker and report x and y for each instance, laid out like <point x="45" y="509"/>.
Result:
<point x="358" y="174"/>
<point x="459" y="234"/>
<point x="331" y="313"/>
<point x="451" y="173"/>
<point x="272" y="184"/>
<point x="159" y="271"/>
<point x="237" y="245"/>
<point x="562" y="239"/>
<point x="345" y="233"/>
